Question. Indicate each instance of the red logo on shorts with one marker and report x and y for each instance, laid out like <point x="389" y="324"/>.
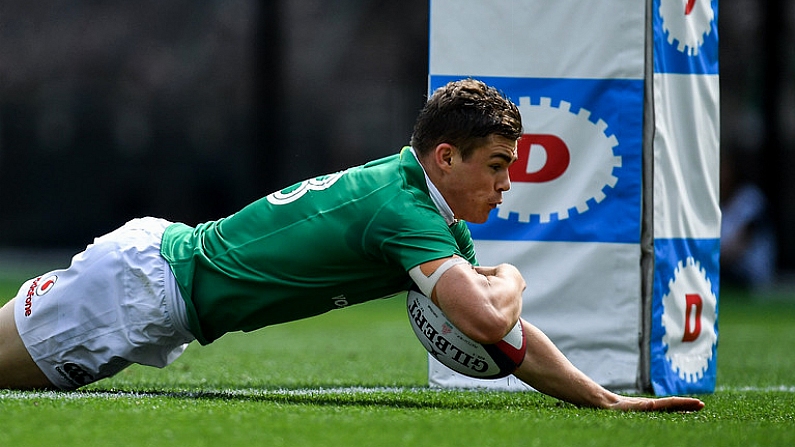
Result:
<point x="38" y="287"/>
<point x="46" y="285"/>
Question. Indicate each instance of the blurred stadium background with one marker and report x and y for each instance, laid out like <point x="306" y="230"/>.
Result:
<point x="189" y="110"/>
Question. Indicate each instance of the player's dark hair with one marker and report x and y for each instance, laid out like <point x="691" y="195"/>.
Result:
<point x="464" y="114"/>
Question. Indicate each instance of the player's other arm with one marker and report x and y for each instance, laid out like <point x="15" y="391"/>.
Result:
<point x="547" y="370"/>
<point x="483" y="302"/>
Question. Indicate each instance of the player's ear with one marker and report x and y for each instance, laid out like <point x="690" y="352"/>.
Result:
<point x="443" y="156"/>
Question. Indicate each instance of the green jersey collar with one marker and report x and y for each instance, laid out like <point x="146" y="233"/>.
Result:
<point x="436" y="196"/>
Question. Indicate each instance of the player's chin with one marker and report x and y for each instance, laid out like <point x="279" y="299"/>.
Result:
<point x="477" y="216"/>
<point x="479" y="219"/>
<point x="482" y="216"/>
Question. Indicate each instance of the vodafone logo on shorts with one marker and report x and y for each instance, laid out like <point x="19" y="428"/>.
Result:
<point x="39" y="287"/>
<point x="46" y="285"/>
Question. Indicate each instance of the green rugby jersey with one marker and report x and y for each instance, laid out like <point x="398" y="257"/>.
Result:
<point x="321" y="244"/>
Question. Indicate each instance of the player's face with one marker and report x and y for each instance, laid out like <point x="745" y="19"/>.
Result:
<point x="476" y="185"/>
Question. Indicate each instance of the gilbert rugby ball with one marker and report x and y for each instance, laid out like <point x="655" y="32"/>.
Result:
<point x="457" y="351"/>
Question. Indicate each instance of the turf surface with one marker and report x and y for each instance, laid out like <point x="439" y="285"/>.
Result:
<point x="358" y="377"/>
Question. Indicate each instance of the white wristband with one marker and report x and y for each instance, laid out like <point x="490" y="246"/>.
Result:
<point x="427" y="283"/>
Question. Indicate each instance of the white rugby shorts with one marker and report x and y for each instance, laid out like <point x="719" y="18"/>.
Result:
<point x="117" y="304"/>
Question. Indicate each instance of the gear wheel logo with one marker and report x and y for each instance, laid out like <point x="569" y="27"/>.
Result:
<point x="689" y="316"/>
<point x="565" y="161"/>
<point x="687" y="23"/>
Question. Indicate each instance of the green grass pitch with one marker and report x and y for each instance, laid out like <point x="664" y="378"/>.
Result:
<point x="358" y="378"/>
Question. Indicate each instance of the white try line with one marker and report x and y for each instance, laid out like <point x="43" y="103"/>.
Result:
<point x="756" y="389"/>
<point x="252" y="392"/>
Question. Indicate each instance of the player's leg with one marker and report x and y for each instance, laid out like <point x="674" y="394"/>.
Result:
<point x="17" y="369"/>
<point x="115" y="305"/>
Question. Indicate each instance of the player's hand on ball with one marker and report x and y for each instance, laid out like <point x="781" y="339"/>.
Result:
<point x="454" y="349"/>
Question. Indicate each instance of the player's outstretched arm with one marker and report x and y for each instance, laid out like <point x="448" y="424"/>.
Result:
<point x="547" y="370"/>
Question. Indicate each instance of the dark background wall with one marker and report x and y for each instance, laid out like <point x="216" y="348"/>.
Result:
<point x="189" y="110"/>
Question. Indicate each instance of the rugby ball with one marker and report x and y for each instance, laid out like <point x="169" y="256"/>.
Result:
<point x="459" y="352"/>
